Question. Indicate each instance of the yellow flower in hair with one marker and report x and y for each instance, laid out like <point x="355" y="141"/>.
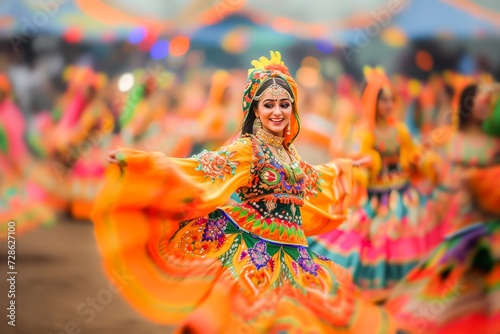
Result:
<point x="263" y="61"/>
<point x="373" y="72"/>
<point x="274" y="63"/>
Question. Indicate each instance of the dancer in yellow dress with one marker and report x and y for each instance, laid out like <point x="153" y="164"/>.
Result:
<point x="189" y="259"/>
<point x="393" y="227"/>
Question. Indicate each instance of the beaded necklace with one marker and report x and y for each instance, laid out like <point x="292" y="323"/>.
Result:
<point x="273" y="141"/>
<point x="292" y="169"/>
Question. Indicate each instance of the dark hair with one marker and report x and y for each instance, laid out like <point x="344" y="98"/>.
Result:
<point x="247" y="126"/>
<point x="448" y="89"/>
<point x="466" y="106"/>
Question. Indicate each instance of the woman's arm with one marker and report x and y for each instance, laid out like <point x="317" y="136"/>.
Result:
<point x="328" y="189"/>
<point x="189" y="187"/>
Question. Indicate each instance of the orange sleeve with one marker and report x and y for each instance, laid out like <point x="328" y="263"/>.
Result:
<point x="328" y="191"/>
<point x="179" y="188"/>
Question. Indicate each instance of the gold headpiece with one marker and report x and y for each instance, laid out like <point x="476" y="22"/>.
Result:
<point x="265" y="69"/>
<point x="275" y="90"/>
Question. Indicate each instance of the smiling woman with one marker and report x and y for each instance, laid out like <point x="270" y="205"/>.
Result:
<point x="271" y="108"/>
<point x="213" y="267"/>
<point x="274" y="107"/>
<point x="393" y="226"/>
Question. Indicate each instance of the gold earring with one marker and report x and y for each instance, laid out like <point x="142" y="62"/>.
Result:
<point x="257" y="124"/>
<point x="288" y="132"/>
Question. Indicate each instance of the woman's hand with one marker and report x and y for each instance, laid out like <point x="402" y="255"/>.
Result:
<point x="117" y="157"/>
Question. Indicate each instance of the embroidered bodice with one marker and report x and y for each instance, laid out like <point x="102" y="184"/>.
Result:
<point x="273" y="181"/>
<point x="272" y="192"/>
<point x="270" y="202"/>
<point x="388" y="145"/>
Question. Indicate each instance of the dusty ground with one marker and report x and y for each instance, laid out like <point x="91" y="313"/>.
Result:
<point x="58" y="269"/>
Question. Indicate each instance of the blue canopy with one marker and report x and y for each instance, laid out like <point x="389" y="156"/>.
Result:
<point x="430" y="18"/>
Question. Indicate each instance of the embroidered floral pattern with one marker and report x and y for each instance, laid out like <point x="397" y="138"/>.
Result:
<point x="312" y="180"/>
<point x="322" y="258"/>
<point x="270" y="176"/>
<point x="258" y="255"/>
<point x="295" y="268"/>
<point x="251" y="88"/>
<point x="191" y="244"/>
<point x="272" y="199"/>
<point x="216" y="164"/>
<point x="214" y="229"/>
<point x="268" y="225"/>
<point x="306" y="263"/>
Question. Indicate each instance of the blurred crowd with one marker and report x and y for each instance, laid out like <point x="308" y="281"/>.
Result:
<point x="53" y="153"/>
<point x="59" y="146"/>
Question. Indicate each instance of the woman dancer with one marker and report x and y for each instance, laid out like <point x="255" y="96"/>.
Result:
<point x="456" y="290"/>
<point x="388" y="233"/>
<point x="188" y="259"/>
<point x="90" y="141"/>
<point x="21" y="199"/>
<point x="470" y="143"/>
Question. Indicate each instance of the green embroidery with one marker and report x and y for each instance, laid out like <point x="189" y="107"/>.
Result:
<point x="270" y="176"/>
<point x="227" y="257"/>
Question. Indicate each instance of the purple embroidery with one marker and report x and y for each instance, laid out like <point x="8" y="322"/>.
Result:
<point x="303" y="252"/>
<point x="323" y="258"/>
<point x="258" y="255"/>
<point x="306" y="263"/>
<point x="214" y="230"/>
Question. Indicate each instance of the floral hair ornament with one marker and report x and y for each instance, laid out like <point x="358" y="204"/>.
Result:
<point x="376" y="80"/>
<point x="265" y="69"/>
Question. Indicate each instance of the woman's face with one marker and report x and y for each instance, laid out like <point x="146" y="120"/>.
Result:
<point x="481" y="109"/>
<point x="274" y="112"/>
<point x="89" y="93"/>
<point x="385" y="104"/>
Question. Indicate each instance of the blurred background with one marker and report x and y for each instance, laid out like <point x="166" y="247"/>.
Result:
<point x="79" y="77"/>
